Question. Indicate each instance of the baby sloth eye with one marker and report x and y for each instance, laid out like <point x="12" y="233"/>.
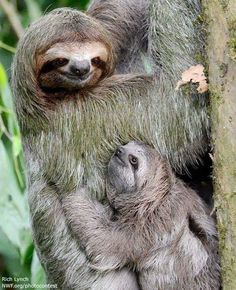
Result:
<point x="133" y="161"/>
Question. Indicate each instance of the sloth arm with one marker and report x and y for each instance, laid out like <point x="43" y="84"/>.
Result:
<point x="128" y="85"/>
<point x="202" y="224"/>
<point x="108" y="246"/>
<point x="123" y="19"/>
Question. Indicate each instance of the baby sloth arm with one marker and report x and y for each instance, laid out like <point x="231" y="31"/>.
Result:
<point x="106" y="244"/>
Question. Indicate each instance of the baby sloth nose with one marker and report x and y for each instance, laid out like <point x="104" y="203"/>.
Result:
<point x="120" y="151"/>
<point x="80" y="68"/>
<point x="121" y="154"/>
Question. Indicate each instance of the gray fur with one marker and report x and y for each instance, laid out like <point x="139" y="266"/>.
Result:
<point x="160" y="228"/>
<point x="68" y="142"/>
<point x="127" y="22"/>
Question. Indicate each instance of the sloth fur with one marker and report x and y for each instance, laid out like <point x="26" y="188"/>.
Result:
<point x="155" y="224"/>
<point x="69" y="134"/>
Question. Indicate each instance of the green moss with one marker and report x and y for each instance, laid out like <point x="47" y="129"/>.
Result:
<point x="199" y="58"/>
<point x="232" y="26"/>
<point x="222" y="232"/>
<point x="216" y="97"/>
<point x="203" y="16"/>
<point x="201" y="24"/>
<point x="186" y="89"/>
<point x="216" y="100"/>
<point x="224" y="4"/>
<point x="190" y="90"/>
<point x="232" y="40"/>
<point x="228" y="262"/>
<point x="232" y="48"/>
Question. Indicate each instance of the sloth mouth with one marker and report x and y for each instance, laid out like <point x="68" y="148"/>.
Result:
<point x="77" y="77"/>
<point x="63" y="82"/>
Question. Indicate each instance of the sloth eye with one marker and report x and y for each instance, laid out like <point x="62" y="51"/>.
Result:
<point x="59" y="62"/>
<point x="56" y="63"/>
<point x="96" y="61"/>
<point x="133" y="161"/>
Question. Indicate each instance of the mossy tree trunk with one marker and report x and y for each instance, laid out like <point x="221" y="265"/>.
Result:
<point x="221" y="48"/>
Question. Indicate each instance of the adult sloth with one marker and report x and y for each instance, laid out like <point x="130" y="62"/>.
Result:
<point x="74" y="110"/>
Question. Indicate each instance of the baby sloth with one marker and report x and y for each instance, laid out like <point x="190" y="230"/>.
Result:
<point x="154" y="224"/>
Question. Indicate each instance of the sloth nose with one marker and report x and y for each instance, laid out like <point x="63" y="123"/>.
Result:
<point x="119" y="151"/>
<point x="80" y="68"/>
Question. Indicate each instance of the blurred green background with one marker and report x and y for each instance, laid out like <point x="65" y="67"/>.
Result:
<point x="17" y="255"/>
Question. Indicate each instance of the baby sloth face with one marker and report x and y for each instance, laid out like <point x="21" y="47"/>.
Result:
<point x="72" y="66"/>
<point x="131" y="166"/>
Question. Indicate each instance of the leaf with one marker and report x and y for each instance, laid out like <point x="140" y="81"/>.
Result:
<point x="11" y="257"/>
<point x="37" y="272"/>
<point x="14" y="220"/>
<point x="7" y="102"/>
<point x="7" y="47"/>
<point x="5" y="90"/>
<point x="33" y="9"/>
<point x="16" y="141"/>
<point x="10" y="126"/>
<point x="6" y="247"/>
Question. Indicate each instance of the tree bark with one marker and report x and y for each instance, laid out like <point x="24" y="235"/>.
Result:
<point x="221" y="49"/>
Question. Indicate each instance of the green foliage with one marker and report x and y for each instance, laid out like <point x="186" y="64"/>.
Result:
<point x="16" y="249"/>
<point x="17" y="254"/>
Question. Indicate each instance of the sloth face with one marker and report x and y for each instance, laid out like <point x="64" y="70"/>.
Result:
<point x="72" y="66"/>
<point x="130" y="167"/>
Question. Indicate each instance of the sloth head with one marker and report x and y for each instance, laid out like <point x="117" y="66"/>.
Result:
<point x="73" y="65"/>
<point x="80" y="57"/>
<point x="136" y="170"/>
<point x="64" y="51"/>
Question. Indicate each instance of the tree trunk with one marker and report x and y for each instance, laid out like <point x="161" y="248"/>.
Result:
<point x="221" y="20"/>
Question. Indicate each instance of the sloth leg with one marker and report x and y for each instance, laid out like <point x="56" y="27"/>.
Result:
<point x="106" y="245"/>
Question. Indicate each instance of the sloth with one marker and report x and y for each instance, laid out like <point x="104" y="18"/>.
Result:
<point x="154" y="224"/>
<point x="85" y="83"/>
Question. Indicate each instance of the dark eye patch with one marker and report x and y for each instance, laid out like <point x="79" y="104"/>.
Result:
<point x="96" y="61"/>
<point x="54" y="64"/>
